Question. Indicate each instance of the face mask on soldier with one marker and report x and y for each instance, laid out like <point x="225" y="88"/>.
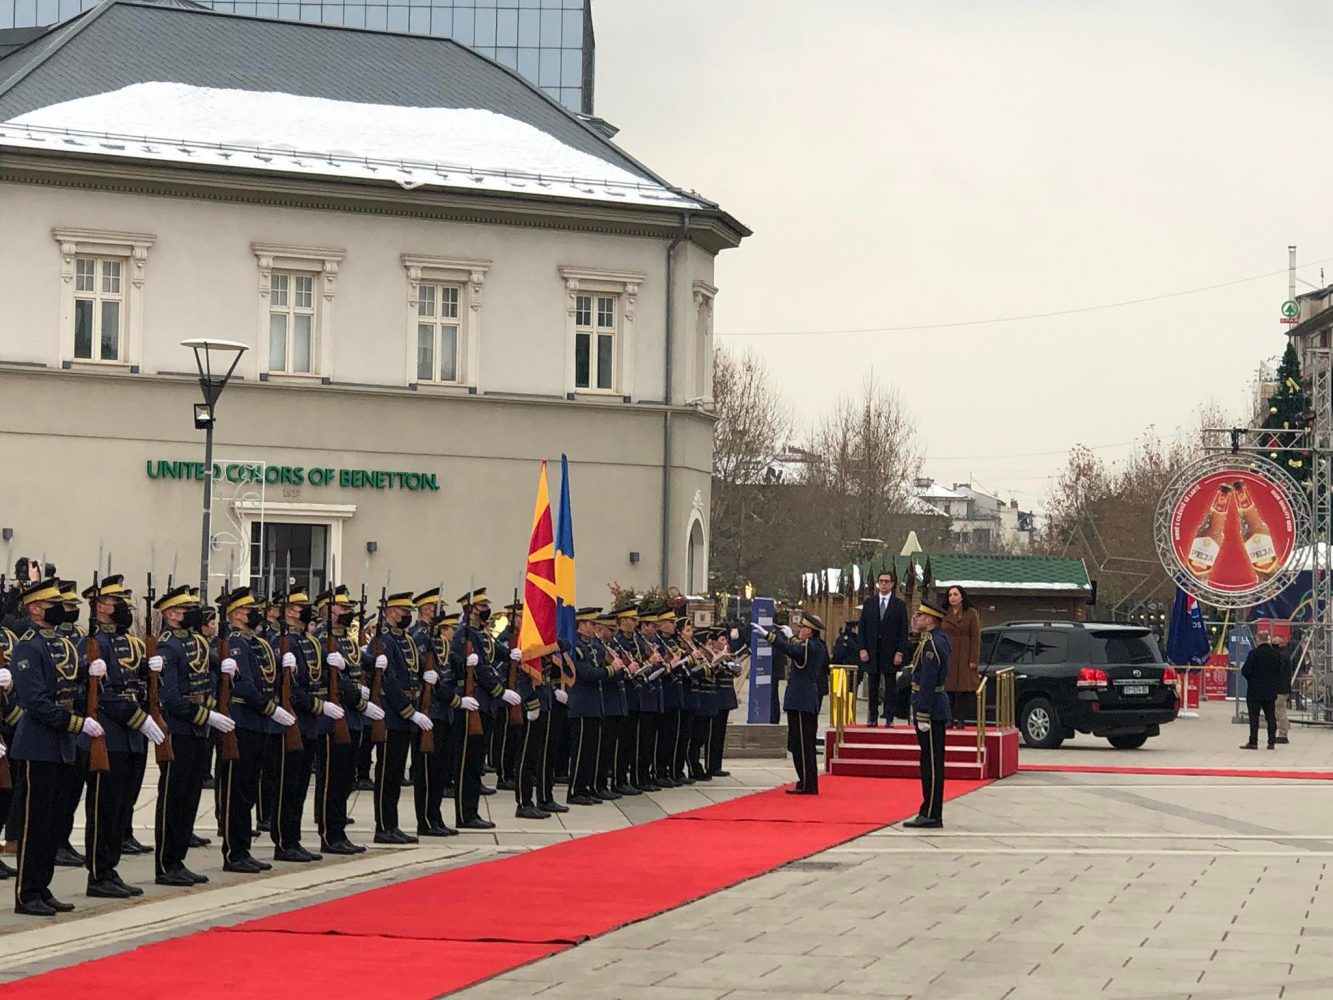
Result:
<point x="193" y="619"/>
<point x="307" y="615"/>
<point x="122" y="617"/>
<point x="252" y="618"/>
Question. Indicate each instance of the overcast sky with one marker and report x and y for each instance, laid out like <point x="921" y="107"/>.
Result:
<point x="909" y="163"/>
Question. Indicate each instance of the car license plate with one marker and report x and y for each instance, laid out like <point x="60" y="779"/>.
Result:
<point x="1131" y="689"/>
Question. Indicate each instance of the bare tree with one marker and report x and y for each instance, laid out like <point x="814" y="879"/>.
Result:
<point x="753" y="426"/>
<point x="866" y="459"/>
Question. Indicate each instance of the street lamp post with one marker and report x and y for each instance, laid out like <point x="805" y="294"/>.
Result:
<point x="216" y="361"/>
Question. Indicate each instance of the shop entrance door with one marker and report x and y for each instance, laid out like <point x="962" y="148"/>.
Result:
<point x="275" y="545"/>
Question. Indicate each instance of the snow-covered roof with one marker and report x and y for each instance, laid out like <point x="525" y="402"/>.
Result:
<point x="937" y="492"/>
<point x="468" y="148"/>
<point x="916" y="505"/>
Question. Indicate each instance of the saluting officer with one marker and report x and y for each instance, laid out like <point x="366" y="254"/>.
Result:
<point x="126" y="724"/>
<point x="335" y="763"/>
<point x="46" y="681"/>
<point x="403" y="718"/>
<point x="808" y="657"/>
<point x="260" y="721"/>
<point x="930" y="711"/>
<point x="188" y="697"/>
<point x="430" y="769"/>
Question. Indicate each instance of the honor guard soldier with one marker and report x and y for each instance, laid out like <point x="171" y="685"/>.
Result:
<point x="615" y="711"/>
<point x="315" y="716"/>
<point x="46" y="681"/>
<point x="269" y="630"/>
<point x="930" y="711"/>
<point x="115" y="658"/>
<point x="473" y="658"/>
<point x="188" y="697"/>
<point x="137" y="683"/>
<point x="260" y="721"/>
<point x="538" y="675"/>
<point x="508" y="726"/>
<point x="586" y="708"/>
<point x="451" y="691"/>
<point x="703" y="707"/>
<point x="400" y="659"/>
<point x="10" y="713"/>
<point x="725" y="672"/>
<point x="651" y="701"/>
<point x="335" y="763"/>
<point x="674" y="735"/>
<point x="636" y="770"/>
<point x="71" y="795"/>
<point x="808" y="658"/>
<point x="430" y="766"/>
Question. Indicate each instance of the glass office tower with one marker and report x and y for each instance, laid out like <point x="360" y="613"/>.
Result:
<point x="550" y="42"/>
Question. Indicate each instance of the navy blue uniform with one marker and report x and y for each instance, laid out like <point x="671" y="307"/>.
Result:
<point x="258" y="739"/>
<point x="930" y="707"/>
<point x="335" y="763"/>
<point x="430" y="771"/>
<point x="586" y="712"/>
<point x="186" y="694"/>
<point x="807" y="659"/>
<point x="724" y="677"/>
<point x="401" y="690"/>
<point x="466" y="749"/>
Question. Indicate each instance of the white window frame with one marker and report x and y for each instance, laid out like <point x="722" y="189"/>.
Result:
<point x="704" y="294"/>
<point x="246" y="513"/>
<point x="623" y="285"/>
<point x="131" y="250"/>
<point x="319" y="263"/>
<point x="468" y="276"/>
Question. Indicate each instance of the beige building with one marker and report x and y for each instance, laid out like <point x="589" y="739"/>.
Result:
<point x="442" y="278"/>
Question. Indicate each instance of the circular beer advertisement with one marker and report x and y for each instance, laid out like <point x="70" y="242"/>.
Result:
<point x="1232" y="531"/>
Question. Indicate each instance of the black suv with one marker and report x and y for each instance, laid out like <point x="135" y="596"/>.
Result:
<point x="1087" y="677"/>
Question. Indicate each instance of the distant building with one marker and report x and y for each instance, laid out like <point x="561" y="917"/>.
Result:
<point x="979" y="522"/>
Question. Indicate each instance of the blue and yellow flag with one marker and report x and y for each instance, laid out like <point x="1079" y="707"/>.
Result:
<point x="565" y="599"/>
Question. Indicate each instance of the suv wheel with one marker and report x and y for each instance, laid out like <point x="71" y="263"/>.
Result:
<point x="1041" y="725"/>
<point x="1128" y="741"/>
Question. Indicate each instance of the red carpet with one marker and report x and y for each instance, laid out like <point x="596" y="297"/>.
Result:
<point x="1200" y="772"/>
<point x="444" y="932"/>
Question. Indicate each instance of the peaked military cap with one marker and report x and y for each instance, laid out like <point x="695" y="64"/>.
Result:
<point x="403" y="600"/>
<point x="811" y="620"/>
<point x="930" y="608"/>
<point x="69" y="591"/>
<point x="452" y="618"/>
<point x="177" y="597"/>
<point x="112" y="586"/>
<point x="240" y="598"/>
<point x="297" y="596"/>
<point x="587" y="614"/>
<point x="431" y="596"/>
<point x="41" y="590"/>
<point x="472" y="597"/>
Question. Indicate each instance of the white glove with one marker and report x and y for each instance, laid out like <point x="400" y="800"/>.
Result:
<point x="220" y="722"/>
<point x="336" y="661"/>
<point x="97" y="668"/>
<point x="758" y="630"/>
<point x="468" y="703"/>
<point x="562" y="696"/>
<point x="93" y="728"/>
<point x="332" y="711"/>
<point x="153" y="731"/>
<point x="381" y="662"/>
<point x="430" y="677"/>
<point x="4" y="751"/>
<point x="923" y="725"/>
<point x="516" y="655"/>
<point x="511" y="697"/>
<point x="534" y="714"/>
<point x="473" y="659"/>
<point x="373" y="712"/>
<point x="422" y="722"/>
<point x="735" y="633"/>
<point x="283" y="717"/>
<point x="365" y="691"/>
<point x="229" y="667"/>
<point x="786" y="630"/>
<point x="155" y="664"/>
<point x="289" y="661"/>
<point x="6" y="678"/>
<point x="656" y="673"/>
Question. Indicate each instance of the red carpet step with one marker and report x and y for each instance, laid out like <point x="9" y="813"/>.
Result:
<point x="877" y="752"/>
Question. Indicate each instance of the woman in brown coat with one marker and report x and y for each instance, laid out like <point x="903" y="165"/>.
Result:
<point x="962" y="625"/>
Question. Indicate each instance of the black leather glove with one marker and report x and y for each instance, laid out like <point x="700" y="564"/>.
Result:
<point x="564" y="645"/>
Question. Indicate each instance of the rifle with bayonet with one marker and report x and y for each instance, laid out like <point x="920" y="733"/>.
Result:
<point x="378" y="732"/>
<point x="291" y="736"/>
<point x="432" y="662"/>
<point x="163" y="751"/>
<point x="228" y="749"/>
<point x="98" y="761"/>
<point x="341" y="734"/>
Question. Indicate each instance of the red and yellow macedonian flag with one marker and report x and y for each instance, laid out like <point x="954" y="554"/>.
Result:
<point x="539" y="580"/>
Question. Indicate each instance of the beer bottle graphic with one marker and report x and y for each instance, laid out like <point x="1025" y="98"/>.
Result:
<point x="1254" y="531"/>
<point x="1208" y="537"/>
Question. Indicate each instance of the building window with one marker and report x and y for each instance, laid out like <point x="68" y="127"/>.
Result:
<point x="102" y="278"/>
<point x="296" y="292"/>
<point x="595" y="342"/>
<point x="99" y="300"/>
<point x="291" y="323"/>
<point x="601" y="307"/>
<point x="444" y="319"/>
<point x="437" y="333"/>
<point x="704" y="294"/>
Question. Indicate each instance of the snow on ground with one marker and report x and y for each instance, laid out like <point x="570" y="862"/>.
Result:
<point x="259" y="130"/>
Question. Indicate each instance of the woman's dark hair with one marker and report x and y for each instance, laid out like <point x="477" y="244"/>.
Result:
<point x="962" y="592"/>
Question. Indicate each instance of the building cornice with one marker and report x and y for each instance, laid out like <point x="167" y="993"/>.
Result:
<point x="713" y="230"/>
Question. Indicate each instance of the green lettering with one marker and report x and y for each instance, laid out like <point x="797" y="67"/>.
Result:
<point x="428" y="480"/>
<point x="345" y="477"/>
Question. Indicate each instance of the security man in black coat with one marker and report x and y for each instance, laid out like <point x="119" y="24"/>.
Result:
<point x="807" y="657"/>
<point x="46" y="681"/>
<point x="188" y="698"/>
<point x="930" y="711"/>
<point x="883" y="634"/>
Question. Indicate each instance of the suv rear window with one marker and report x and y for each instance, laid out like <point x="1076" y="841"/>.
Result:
<point x="1124" y="647"/>
<point x="1050" y="646"/>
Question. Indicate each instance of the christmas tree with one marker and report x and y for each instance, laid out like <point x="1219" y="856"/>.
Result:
<point x="1287" y="409"/>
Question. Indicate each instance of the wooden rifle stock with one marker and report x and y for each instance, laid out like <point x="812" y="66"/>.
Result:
<point x="227" y="746"/>
<point x="378" y="731"/>
<point x="291" y="735"/>
<point x="341" y="734"/>
<point x="474" y="727"/>
<point x="92" y="649"/>
<point x="427" y="735"/>
<point x="163" y="751"/>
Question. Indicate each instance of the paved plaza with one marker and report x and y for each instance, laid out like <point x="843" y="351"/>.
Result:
<point x="1047" y="884"/>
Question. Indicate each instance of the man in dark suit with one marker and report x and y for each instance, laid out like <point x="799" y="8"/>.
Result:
<point x="883" y="631"/>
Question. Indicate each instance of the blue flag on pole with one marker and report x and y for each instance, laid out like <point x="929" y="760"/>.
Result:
<point x="1187" y="642"/>
<point x="565" y="589"/>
